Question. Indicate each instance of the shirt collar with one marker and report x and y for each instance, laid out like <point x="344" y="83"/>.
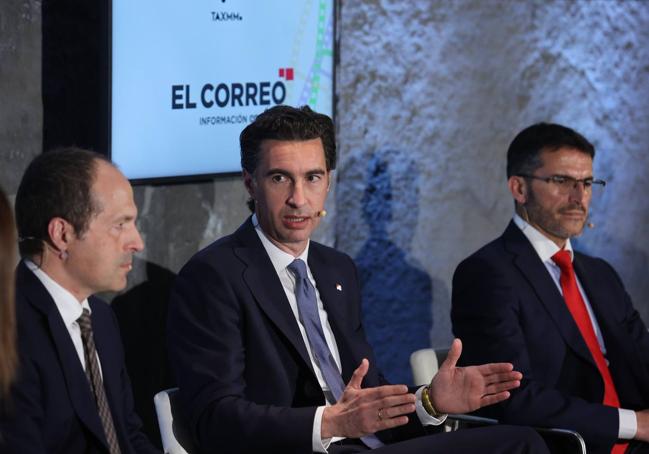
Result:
<point x="66" y="303"/>
<point x="544" y="247"/>
<point x="280" y="259"/>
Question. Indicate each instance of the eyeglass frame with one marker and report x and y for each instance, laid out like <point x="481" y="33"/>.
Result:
<point x="559" y="180"/>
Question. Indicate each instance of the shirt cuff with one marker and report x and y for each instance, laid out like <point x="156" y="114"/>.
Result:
<point x="628" y="424"/>
<point x="424" y="417"/>
<point x="318" y="444"/>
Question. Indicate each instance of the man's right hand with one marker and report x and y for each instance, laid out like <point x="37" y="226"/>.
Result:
<point x="642" y="418"/>
<point x="364" y="411"/>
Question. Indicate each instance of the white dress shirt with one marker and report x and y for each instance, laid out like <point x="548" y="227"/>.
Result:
<point x="68" y="306"/>
<point x="281" y="260"/>
<point x="545" y="249"/>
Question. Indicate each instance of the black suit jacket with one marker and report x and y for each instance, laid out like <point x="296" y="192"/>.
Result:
<point x="51" y="408"/>
<point x="245" y="377"/>
<point x="506" y="307"/>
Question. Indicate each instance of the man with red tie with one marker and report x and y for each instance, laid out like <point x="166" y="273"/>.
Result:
<point x="561" y="317"/>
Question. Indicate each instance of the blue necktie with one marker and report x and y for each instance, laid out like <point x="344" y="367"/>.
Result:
<point x="307" y="306"/>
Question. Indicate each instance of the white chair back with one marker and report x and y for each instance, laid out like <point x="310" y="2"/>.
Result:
<point x="172" y="432"/>
<point x="424" y="366"/>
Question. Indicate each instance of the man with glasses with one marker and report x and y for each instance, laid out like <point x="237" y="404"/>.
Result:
<point x="561" y="317"/>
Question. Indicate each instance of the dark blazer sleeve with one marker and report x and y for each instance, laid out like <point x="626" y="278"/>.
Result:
<point x="631" y="320"/>
<point x="206" y="331"/>
<point x="497" y="323"/>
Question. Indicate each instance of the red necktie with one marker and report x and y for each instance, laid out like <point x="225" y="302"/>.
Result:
<point x="577" y="308"/>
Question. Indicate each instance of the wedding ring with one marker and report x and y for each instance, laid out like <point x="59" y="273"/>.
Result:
<point x="380" y="415"/>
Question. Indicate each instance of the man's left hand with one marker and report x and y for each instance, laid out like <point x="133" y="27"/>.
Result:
<point x="464" y="389"/>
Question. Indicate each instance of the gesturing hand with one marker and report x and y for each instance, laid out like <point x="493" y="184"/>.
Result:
<point x="464" y="389"/>
<point x="360" y="412"/>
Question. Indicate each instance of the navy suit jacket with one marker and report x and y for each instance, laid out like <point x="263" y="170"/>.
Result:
<point x="506" y="307"/>
<point x="245" y="377"/>
<point x="51" y="408"/>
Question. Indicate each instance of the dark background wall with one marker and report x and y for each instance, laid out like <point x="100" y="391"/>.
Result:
<point x="429" y="95"/>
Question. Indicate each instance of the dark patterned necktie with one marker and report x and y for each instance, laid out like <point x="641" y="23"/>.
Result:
<point x="307" y="306"/>
<point x="96" y="383"/>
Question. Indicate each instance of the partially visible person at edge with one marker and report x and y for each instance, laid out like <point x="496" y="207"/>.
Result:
<point x="7" y="311"/>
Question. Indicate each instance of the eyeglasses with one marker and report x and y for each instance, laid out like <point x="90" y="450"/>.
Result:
<point x="565" y="184"/>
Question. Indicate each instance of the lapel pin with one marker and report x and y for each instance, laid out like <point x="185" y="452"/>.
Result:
<point x="339" y="287"/>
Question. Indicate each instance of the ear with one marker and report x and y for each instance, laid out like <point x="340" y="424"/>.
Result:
<point x="60" y="233"/>
<point x="329" y="180"/>
<point x="518" y="187"/>
<point x="249" y="183"/>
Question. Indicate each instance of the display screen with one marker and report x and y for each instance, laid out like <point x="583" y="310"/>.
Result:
<point x="187" y="77"/>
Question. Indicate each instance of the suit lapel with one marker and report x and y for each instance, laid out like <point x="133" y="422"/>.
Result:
<point x="588" y="283"/>
<point x="532" y="268"/>
<point x="266" y="288"/>
<point x="619" y="346"/>
<point x="75" y="377"/>
<point x="597" y="296"/>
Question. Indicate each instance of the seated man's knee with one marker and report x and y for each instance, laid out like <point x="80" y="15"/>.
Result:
<point x="530" y="440"/>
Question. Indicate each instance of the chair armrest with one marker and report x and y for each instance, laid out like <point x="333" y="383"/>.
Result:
<point x="562" y="440"/>
<point x="464" y="421"/>
<point x="558" y="440"/>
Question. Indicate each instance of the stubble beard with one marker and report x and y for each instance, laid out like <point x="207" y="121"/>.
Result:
<point x="548" y="221"/>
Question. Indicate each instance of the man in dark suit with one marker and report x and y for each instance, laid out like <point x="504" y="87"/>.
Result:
<point x="77" y="235"/>
<point x="265" y="331"/>
<point x="562" y="318"/>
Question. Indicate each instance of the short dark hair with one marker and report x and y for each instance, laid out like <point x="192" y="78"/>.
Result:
<point x="524" y="153"/>
<point x="56" y="184"/>
<point x="286" y="123"/>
